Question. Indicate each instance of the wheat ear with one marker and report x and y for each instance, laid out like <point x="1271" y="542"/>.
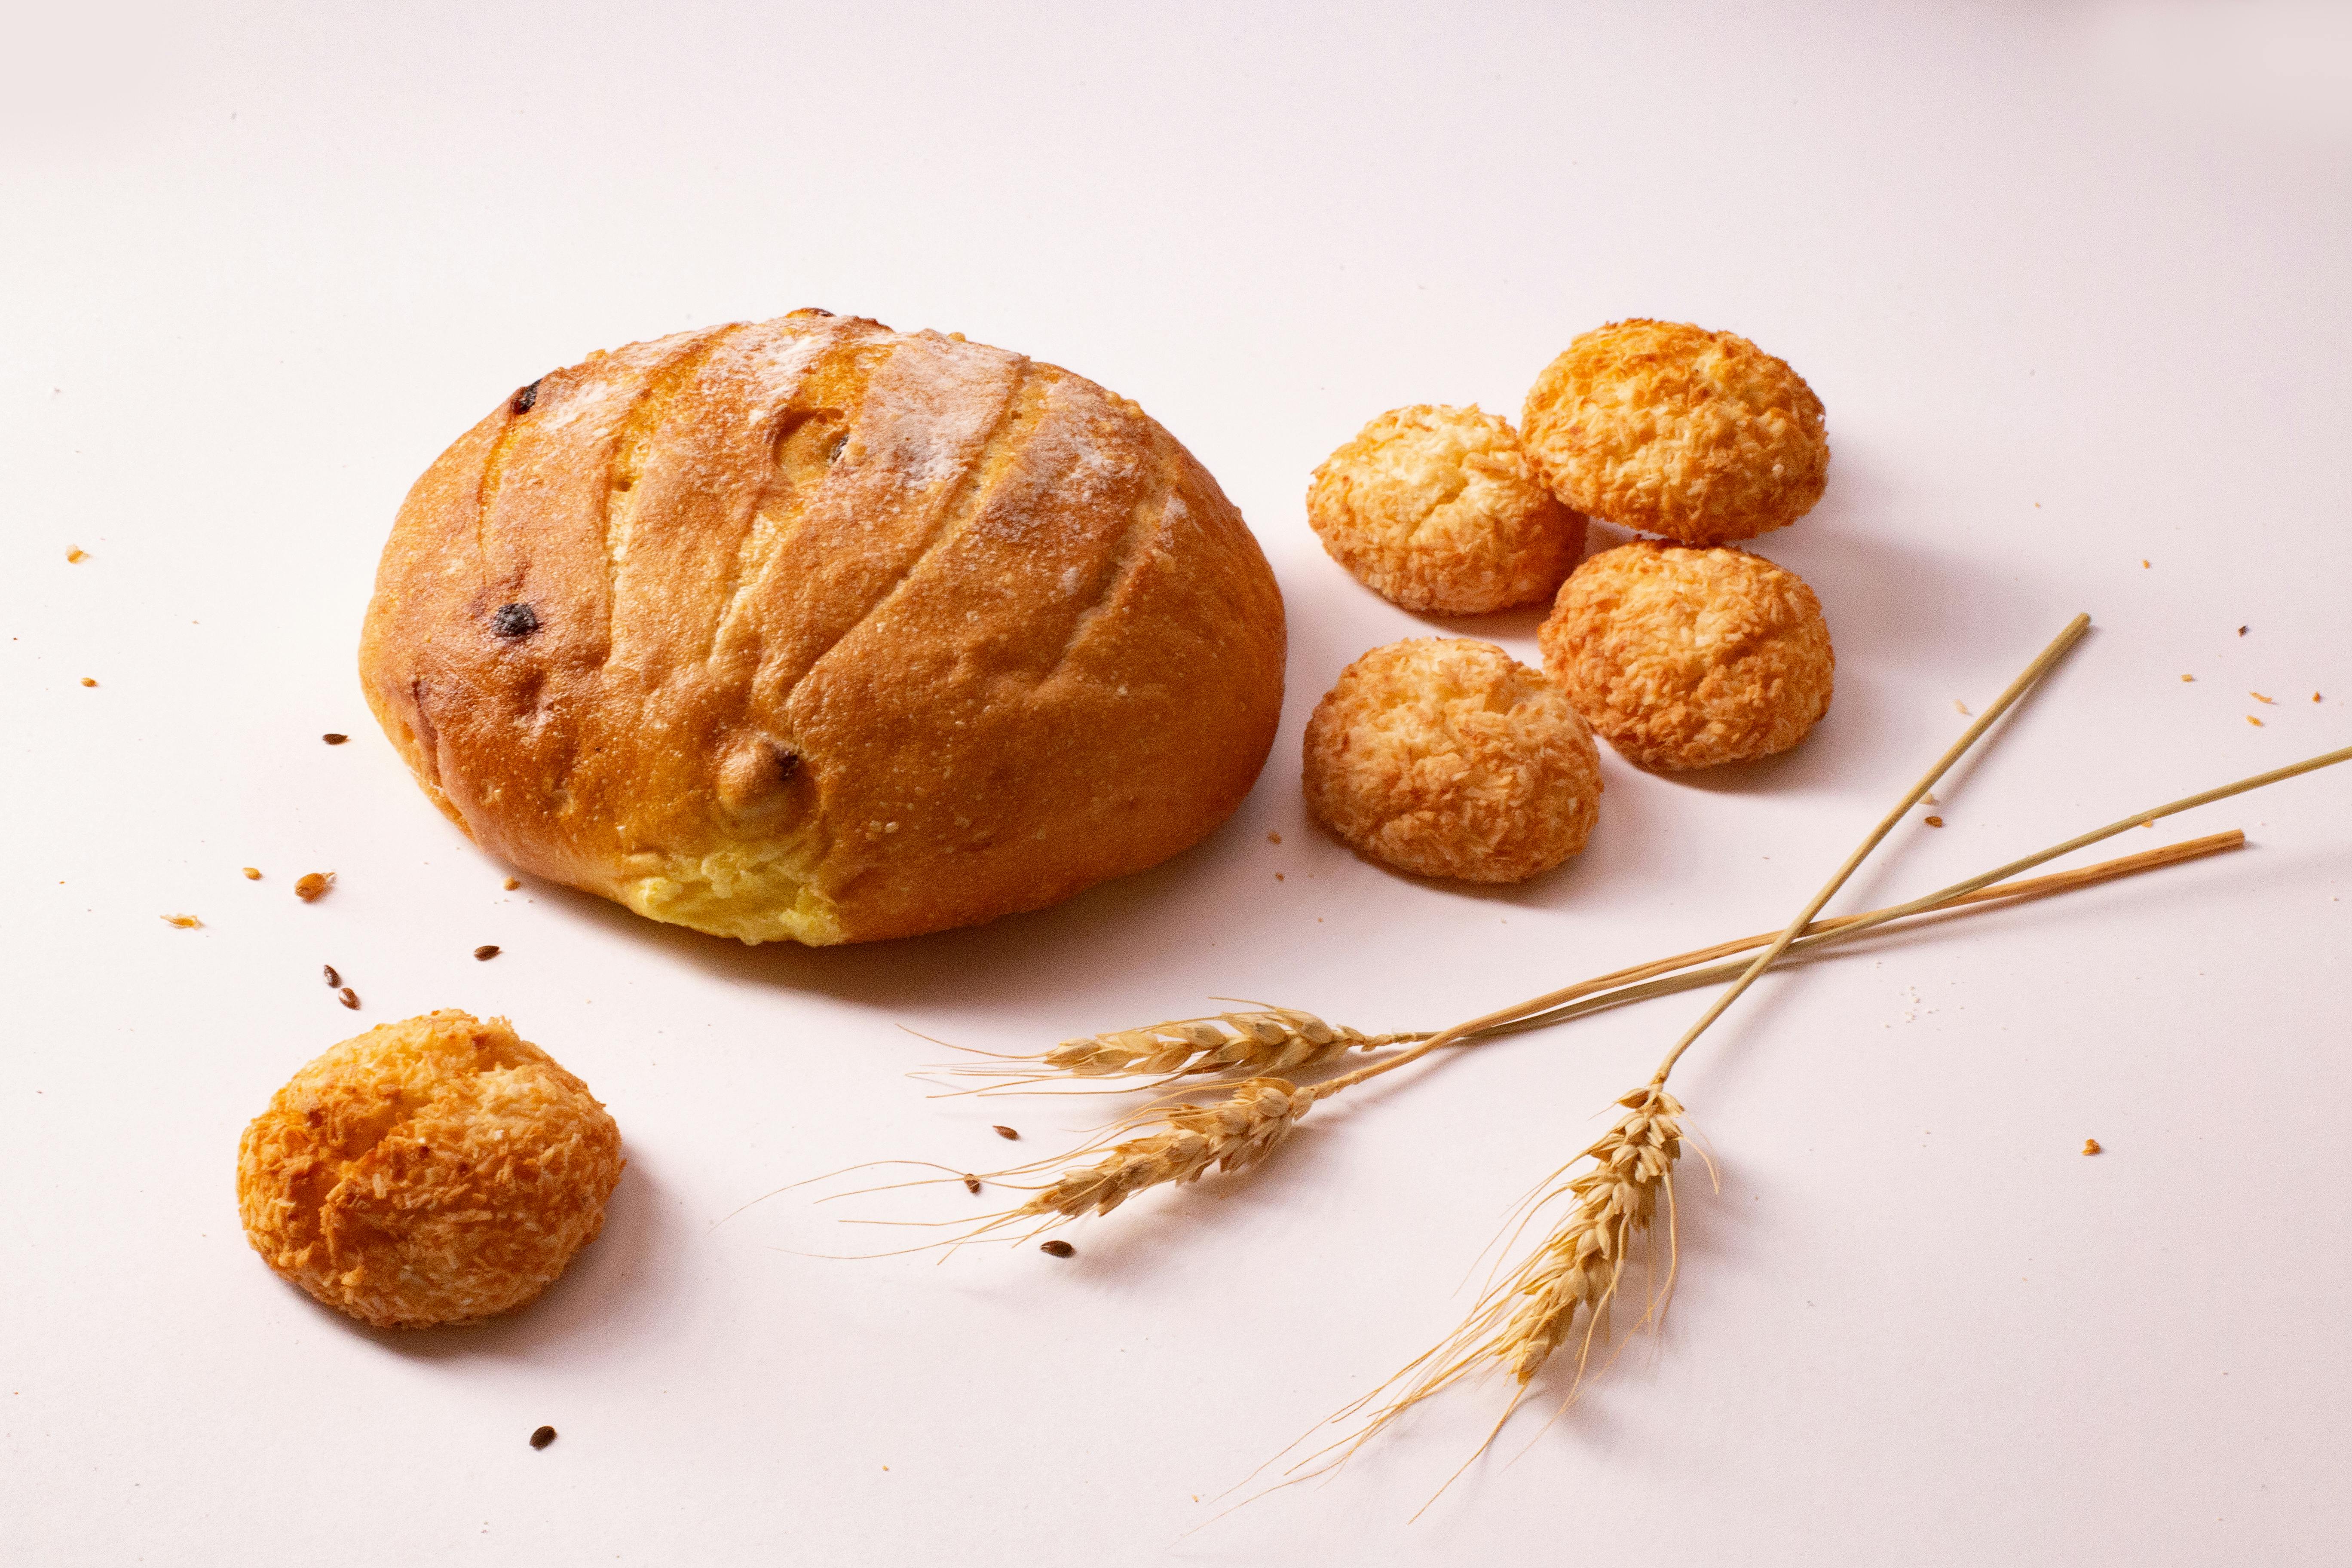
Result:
<point x="1267" y="1040"/>
<point x="1156" y="1147"/>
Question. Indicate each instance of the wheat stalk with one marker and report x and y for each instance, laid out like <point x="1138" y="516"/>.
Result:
<point x="1522" y="1322"/>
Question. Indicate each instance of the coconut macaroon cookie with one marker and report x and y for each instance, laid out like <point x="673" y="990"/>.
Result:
<point x="808" y="630"/>
<point x="1673" y="429"/>
<point x="435" y="1171"/>
<point x="1685" y="659"/>
<point x="1449" y="758"/>
<point x="1439" y="510"/>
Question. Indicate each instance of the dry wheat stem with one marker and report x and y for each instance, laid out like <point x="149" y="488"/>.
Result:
<point x="1824" y="933"/>
<point x="2027" y="863"/>
<point x="2032" y="672"/>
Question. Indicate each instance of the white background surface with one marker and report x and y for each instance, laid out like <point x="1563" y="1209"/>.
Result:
<point x="2071" y="283"/>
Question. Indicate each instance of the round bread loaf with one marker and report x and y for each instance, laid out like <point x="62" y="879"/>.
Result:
<point x="808" y="629"/>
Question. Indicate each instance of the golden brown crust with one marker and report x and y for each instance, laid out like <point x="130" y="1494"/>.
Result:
<point x="1450" y="758"/>
<point x="832" y="633"/>
<point x="439" y="1170"/>
<point x="1439" y="510"/>
<point x="1684" y="659"/>
<point x="1673" y="429"/>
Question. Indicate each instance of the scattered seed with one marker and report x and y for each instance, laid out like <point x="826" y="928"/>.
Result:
<point x="1935" y="822"/>
<point x="1056" y="1249"/>
<point x="2091" y="1146"/>
<point x="2260" y="697"/>
<point x="349" y="998"/>
<point x="1963" y="707"/>
<point x="311" y="884"/>
<point x="76" y="553"/>
<point x="971" y="1184"/>
<point x="86" y="680"/>
<point x="521" y="403"/>
<point x="512" y="883"/>
<point x="2242" y="631"/>
<point x="332" y="739"/>
<point x="485" y="952"/>
<point x="333" y="979"/>
<point x="1006" y="1132"/>
<point x="253" y="873"/>
<point x="185" y="923"/>
<point x="545" y="1435"/>
<point x="2143" y="564"/>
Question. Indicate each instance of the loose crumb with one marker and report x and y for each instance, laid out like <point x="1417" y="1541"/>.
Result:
<point x="2143" y="564"/>
<point x="185" y="923"/>
<point x="487" y="952"/>
<point x="332" y="739"/>
<point x="349" y="998"/>
<point x="2187" y="678"/>
<point x="2257" y="723"/>
<point x="1928" y="799"/>
<point x="86" y="680"/>
<point x="1963" y="707"/>
<point x="2091" y="1146"/>
<point x="1273" y="838"/>
<point x="253" y="873"/>
<point x="2242" y="631"/>
<point x="970" y="1184"/>
<point x="333" y="979"/>
<point x="2260" y="697"/>
<point x="1277" y="876"/>
<point x="513" y="882"/>
<point x="1935" y="822"/>
<point x="543" y="1437"/>
<point x="1055" y="1248"/>
<point x="76" y="553"/>
<point x="1006" y="1132"/>
<point x="311" y="884"/>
